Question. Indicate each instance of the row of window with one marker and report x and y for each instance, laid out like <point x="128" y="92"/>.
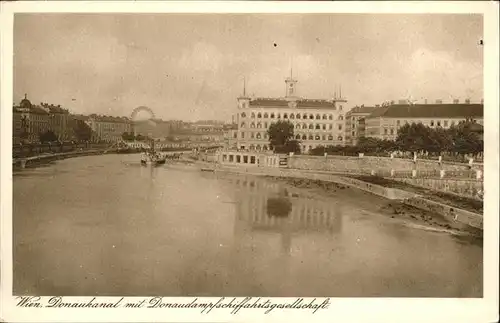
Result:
<point x="432" y="124"/>
<point x="297" y="126"/>
<point x="291" y="116"/>
<point x="258" y="135"/>
<point x="386" y="132"/>
<point x="266" y="147"/>
<point x="437" y="123"/>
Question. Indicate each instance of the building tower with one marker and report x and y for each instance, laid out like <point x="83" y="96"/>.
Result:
<point x="243" y="100"/>
<point x="243" y="113"/>
<point x="291" y="85"/>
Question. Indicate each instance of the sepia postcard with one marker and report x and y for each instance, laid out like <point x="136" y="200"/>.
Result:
<point x="249" y="161"/>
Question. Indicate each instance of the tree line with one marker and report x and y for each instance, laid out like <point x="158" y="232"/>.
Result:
<point x="459" y="140"/>
<point x="129" y="136"/>
<point x="81" y="131"/>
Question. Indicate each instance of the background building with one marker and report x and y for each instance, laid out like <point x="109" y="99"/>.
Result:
<point x="29" y="121"/>
<point x="58" y="120"/>
<point x="384" y="122"/>
<point x="355" y="125"/>
<point x="316" y="122"/>
<point x="109" y="129"/>
<point x="231" y="136"/>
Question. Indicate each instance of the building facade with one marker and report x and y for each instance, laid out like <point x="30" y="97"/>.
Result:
<point x="231" y="136"/>
<point x="58" y="121"/>
<point x="29" y="121"/>
<point x="316" y="122"/>
<point x="109" y="129"/>
<point x="384" y="122"/>
<point x="355" y="125"/>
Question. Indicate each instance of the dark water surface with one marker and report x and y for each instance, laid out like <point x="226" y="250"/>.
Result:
<point x="103" y="225"/>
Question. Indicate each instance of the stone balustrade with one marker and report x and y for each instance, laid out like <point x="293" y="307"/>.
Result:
<point x="367" y="164"/>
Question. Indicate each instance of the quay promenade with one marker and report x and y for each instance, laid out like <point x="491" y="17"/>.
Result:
<point x="465" y="180"/>
<point x="23" y="162"/>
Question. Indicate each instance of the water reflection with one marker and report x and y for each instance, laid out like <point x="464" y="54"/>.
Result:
<point x="268" y="207"/>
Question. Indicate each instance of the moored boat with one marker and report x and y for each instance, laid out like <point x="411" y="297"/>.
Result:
<point x="152" y="157"/>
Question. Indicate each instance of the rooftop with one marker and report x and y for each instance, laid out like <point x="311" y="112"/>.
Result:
<point x="80" y="117"/>
<point x="362" y="109"/>
<point x="429" y="111"/>
<point x="301" y="103"/>
<point x="101" y="118"/>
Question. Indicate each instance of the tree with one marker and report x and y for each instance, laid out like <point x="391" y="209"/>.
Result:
<point x="438" y="141"/>
<point x="465" y="140"/>
<point x="128" y="136"/>
<point x="47" y="136"/>
<point x="281" y="137"/>
<point x="292" y="146"/>
<point x="412" y="137"/>
<point x="369" y="144"/>
<point x="318" y="151"/>
<point x="82" y="131"/>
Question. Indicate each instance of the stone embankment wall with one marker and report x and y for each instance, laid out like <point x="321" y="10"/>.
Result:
<point x="389" y="193"/>
<point x="35" y="160"/>
<point x="365" y="164"/>
<point x="460" y="215"/>
<point x="448" y="177"/>
<point x="462" y="187"/>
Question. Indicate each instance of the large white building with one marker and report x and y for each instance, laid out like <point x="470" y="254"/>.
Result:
<point x="316" y="122"/>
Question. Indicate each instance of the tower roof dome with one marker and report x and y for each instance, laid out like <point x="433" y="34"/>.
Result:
<point x="25" y="103"/>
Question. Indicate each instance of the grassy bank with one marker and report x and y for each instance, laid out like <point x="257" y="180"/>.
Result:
<point x="393" y="209"/>
<point x="448" y="199"/>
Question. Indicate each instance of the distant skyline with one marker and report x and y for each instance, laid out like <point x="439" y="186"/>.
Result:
<point x="192" y="66"/>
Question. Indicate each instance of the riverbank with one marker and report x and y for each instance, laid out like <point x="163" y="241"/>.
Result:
<point x="43" y="159"/>
<point x="48" y="158"/>
<point x="395" y="199"/>
<point x="456" y="201"/>
<point x="394" y="209"/>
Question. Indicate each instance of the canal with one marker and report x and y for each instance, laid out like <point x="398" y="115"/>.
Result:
<point x="105" y="226"/>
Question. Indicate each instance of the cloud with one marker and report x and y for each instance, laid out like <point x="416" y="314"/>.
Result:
<point x="202" y="57"/>
<point x="441" y="75"/>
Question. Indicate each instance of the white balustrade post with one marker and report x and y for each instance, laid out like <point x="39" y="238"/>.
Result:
<point x="413" y="173"/>
<point x="392" y="172"/>
<point x="479" y="174"/>
<point x="441" y="173"/>
<point x="373" y="172"/>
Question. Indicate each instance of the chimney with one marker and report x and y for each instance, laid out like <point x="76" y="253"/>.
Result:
<point x="425" y="102"/>
<point x="439" y="101"/>
<point x="467" y="101"/>
<point x="455" y="101"/>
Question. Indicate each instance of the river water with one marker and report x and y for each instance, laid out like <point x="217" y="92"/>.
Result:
<point x="104" y="225"/>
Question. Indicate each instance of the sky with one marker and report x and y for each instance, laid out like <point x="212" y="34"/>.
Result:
<point x="192" y="66"/>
